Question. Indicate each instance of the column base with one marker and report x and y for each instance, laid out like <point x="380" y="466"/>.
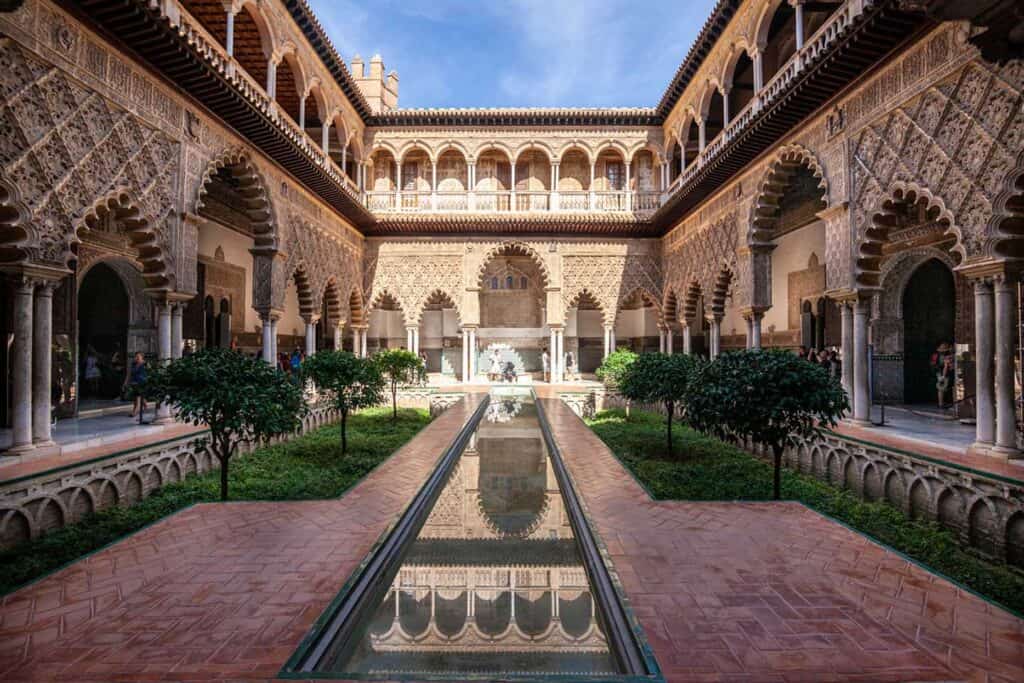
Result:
<point x="857" y="422"/>
<point x="980" y="448"/>
<point x="19" y="450"/>
<point x="44" y="444"/>
<point x="1005" y="452"/>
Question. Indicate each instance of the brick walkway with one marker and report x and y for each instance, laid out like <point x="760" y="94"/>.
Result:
<point x="775" y="592"/>
<point x="745" y="592"/>
<point x="216" y="592"/>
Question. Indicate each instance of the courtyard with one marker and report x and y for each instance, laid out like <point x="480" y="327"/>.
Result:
<point x="507" y="377"/>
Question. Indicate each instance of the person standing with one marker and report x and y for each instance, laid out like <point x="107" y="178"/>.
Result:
<point x="545" y="362"/>
<point x="942" y="366"/>
<point x="136" y="378"/>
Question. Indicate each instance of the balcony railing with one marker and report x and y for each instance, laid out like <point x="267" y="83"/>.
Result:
<point x="524" y="201"/>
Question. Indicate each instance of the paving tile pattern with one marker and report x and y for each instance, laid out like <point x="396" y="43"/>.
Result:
<point x="775" y="592"/>
<point x="216" y="592"/>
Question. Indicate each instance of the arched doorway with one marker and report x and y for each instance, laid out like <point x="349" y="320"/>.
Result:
<point x="512" y="313"/>
<point x="929" y="319"/>
<point x="104" y="313"/>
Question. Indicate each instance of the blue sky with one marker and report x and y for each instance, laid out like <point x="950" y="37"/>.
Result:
<point x="528" y="53"/>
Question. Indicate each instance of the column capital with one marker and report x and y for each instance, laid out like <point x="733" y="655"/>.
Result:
<point x="270" y="315"/>
<point x="311" y="319"/>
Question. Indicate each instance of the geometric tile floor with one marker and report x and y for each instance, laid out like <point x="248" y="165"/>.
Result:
<point x="745" y="592"/>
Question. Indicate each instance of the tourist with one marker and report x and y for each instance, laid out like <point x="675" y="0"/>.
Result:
<point x="136" y="378"/>
<point x="835" y="366"/>
<point x="802" y="351"/>
<point x="234" y="344"/>
<point x="942" y="366"/>
<point x="92" y="371"/>
<point x="545" y="362"/>
<point x="509" y="373"/>
<point x="284" y="363"/>
<point x="495" y="371"/>
<point x="296" y="361"/>
<point x="570" y="365"/>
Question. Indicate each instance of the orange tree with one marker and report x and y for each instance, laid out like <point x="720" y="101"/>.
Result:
<point x="772" y="398"/>
<point x="661" y="378"/>
<point x="238" y="398"/>
<point x="350" y="381"/>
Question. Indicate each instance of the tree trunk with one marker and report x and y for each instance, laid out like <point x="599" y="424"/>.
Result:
<point x="224" y="476"/>
<point x="394" y="402"/>
<point x="344" y="439"/>
<point x="670" y="408"/>
<point x="777" y="478"/>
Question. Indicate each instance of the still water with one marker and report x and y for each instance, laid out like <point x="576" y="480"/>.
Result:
<point x="494" y="582"/>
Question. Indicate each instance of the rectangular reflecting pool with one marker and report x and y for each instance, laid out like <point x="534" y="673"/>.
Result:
<point x="491" y="582"/>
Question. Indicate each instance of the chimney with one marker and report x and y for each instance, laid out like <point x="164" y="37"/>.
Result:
<point x="380" y="91"/>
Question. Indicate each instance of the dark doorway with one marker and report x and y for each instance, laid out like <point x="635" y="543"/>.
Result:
<point x="103" y="317"/>
<point x="929" y="318"/>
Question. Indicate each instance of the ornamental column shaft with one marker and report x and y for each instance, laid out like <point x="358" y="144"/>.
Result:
<point x="1006" y="418"/>
<point x="362" y="343"/>
<point x="42" y="364"/>
<point x="163" y="410"/>
<point x="268" y="341"/>
<point x="846" y="315"/>
<point x="861" y="397"/>
<point x="355" y="341"/>
<point x="607" y="341"/>
<point x="716" y="335"/>
<point x="310" y="338"/>
<point x="687" y="345"/>
<point x="984" y="367"/>
<point x="177" y="340"/>
<point x="21" y="370"/>
<point x="669" y="341"/>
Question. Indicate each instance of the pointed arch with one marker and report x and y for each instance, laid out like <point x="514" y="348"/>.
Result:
<point x="249" y="183"/>
<point x="886" y="216"/>
<point x="670" y="307"/>
<point x="722" y="290"/>
<point x="120" y="205"/>
<point x="585" y="295"/>
<point x="385" y="298"/>
<point x="356" y="310"/>
<point x="513" y="248"/>
<point x="16" y="232"/>
<point x="331" y="298"/>
<point x="772" y="187"/>
<point x="646" y="296"/>
<point x="304" y="288"/>
<point x="692" y="302"/>
<point x="437" y="296"/>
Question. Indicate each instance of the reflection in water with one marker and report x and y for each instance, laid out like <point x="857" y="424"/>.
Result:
<point x="494" y="582"/>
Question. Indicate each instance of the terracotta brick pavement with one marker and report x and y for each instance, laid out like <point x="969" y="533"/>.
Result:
<point x="215" y="592"/>
<point x="775" y="592"/>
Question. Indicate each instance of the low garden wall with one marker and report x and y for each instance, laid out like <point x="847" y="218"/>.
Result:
<point x="985" y="510"/>
<point x="40" y="502"/>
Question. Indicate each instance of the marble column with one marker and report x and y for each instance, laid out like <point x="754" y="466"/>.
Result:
<point x="268" y="340"/>
<point x="749" y="319"/>
<point x="984" y="366"/>
<point x="338" y="339"/>
<point x="613" y="345"/>
<point x="273" y="337"/>
<point x="465" y="355"/>
<point x="409" y="332"/>
<point x="177" y="341"/>
<point x="846" y="321"/>
<point x="21" y="368"/>
<point x="553" y="346"/>
<point x="861" y="397"/>
<point x="42" y="363"/>
<point x="716" y="335"/>
<point x="661" y="340"/>
<point x="755" y="329"/>
<point x="607" y="340"/>
<point x="355" y="341"/>
<point x="362" y="343"/>
<point x="416" y="341"/>
<point x="163" y="410"/>
<point x="687" y="346"/>
<point x="472" y="353"/>
<point x="560" y="341"/>
<point x="1006" y="413"/>
<point x="669" y="342"/>
<point x="310" y="338"/>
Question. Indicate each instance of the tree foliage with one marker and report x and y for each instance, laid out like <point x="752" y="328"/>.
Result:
<point x="238" y="398"/>
<point x="614" y="367"/>
<point x="770" y="397"/>
<point x="661" y="378"/>
<point x="351" y="382"/>
<point x="398" y="367"/>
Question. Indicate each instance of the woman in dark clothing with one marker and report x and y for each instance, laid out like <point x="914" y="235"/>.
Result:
<point x="136" y="378"/>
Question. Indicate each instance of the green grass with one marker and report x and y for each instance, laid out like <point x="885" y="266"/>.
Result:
<point x="707" y="469"/>
<point x="305" y="468"/>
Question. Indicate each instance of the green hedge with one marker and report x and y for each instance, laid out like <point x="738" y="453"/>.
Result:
<point x="305" y="468"/>
<point x="715" y="471"/>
